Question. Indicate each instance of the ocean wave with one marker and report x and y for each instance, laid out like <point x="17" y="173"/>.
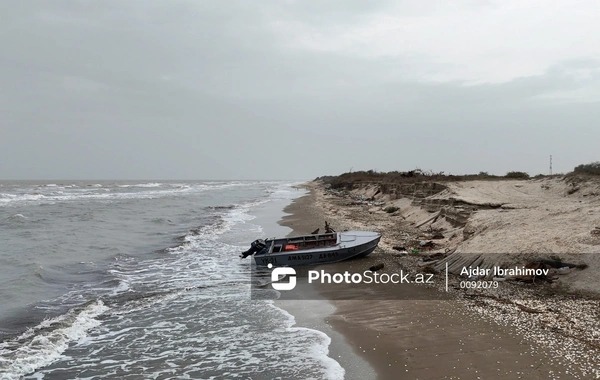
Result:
<point x="285" y="191"/>
<point x="180" y="185"/>
<point x="150" y="304"/>
<point x="52" y="194"/>
<point x="17" y="218"/>
<point x="21" y="197"/>
<point x="150" y="184"/>
<point x="43" y="344"/>
<point x="219" y="208"/>
<point x="235" y="214"/>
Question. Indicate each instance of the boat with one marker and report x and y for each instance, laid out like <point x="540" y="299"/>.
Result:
<point x="312" y="249"/>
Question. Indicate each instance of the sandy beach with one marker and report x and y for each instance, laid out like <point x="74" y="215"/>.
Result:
<point x="416" y="338"/>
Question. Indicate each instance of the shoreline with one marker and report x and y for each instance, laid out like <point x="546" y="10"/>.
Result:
<point x="315" y="311"/>
<point x="422" y="339"/>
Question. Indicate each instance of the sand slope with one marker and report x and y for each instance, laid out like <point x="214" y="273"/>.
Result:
<point x="533" y="219"/>
<point x="504" y="222"/>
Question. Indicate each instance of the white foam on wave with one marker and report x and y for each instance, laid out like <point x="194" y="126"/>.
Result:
<point x="102" y="194"/>
<point x="17" y="217"/>
<point x="204" y="278"/>
<point x="121" y="288"/>
<point x="180" y="185"/>
<point x="42" y="345"/>
<point x="285" y="191"/>
<point x="99" y="192"/>
<point x="238" y="214"/>
<point x="6" y="199"/>
<point x="149" y="184"/>
<point x="333" y="370"/>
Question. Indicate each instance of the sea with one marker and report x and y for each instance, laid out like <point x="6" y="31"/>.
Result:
<point x="142" y="280"/>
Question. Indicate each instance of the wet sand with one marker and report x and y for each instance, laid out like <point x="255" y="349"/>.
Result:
<point x="417" y="339"/>
<point x="314" y="310"/>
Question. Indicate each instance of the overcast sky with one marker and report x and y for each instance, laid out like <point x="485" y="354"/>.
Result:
<point x="294" y="89"/>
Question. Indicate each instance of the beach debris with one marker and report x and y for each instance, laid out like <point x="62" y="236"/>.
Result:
<point x="554" y="263"/>
<point x="415" y="251"/>
<point x="377" y="267"/>
<point x="426" y="244"/>
<point x="596" y="231"/>
<point x="436" y="232"/>
<point x="428" y="269"/>
<point x="528" y="309"/>
<point x="399" y="248"/>
<point x="315" y="231"/>
<point x="366" y="203"/>
<point x="429" y="219"/>
<point x="563" y="270"/>
<point x="434" y="257"/>
<point x="328" y="228"/>
<point x="532" y="278"/>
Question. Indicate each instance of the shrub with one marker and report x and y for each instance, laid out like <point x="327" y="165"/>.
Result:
<point x="591" y="168"/>
<point x="391" y="209"/>
<point x="519" y="175"/>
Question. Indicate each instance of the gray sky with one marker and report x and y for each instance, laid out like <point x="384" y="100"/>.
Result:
<point x="294" y="89"/>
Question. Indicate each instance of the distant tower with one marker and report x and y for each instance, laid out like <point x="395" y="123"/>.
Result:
<point x="550" y="164"/>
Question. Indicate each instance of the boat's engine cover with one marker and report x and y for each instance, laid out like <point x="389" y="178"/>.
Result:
<point x="256" y="246"/>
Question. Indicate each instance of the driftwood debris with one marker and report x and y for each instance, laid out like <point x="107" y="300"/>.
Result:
<point x="377" y="267"/>
<point x="560" y="264"/>
<point x="429" y="219"/>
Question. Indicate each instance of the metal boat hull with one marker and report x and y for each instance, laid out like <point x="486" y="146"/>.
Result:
<point x="350" y="244"/>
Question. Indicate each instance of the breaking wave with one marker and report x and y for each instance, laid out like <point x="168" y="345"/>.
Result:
<point x="43" y="344"/>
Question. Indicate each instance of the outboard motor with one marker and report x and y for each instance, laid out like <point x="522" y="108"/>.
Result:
<point x="256" y="246"/>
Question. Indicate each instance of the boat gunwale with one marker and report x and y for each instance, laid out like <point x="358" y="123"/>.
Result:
<point x="337" y="246"/>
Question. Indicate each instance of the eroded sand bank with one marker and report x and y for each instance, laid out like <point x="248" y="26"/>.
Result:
<point x="467" y="337"/>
